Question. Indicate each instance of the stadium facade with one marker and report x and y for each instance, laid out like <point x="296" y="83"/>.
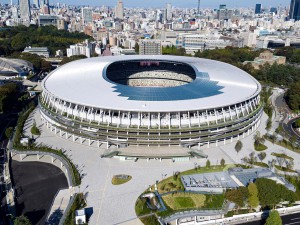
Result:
<point x="150" y="101"/>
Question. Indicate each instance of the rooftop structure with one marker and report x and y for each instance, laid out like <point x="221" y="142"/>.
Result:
<point x="13" y="67"/>
<point x="41" y="51"/>
<point x="235" y="177"/>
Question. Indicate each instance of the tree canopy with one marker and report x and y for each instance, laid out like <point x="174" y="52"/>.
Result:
<point x="72" y="58"/>
<point x="22" y="220"/>
<point x="270" y="193"/>
<point x="253" y="195"/>
<point x="15" y="39"/>
<point x="273" y="218"/>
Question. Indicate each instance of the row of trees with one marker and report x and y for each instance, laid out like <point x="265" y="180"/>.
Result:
<point x="8" y="96"/>
<point x="264" y="192"/>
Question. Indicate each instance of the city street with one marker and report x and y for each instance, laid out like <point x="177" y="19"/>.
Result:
<point x="291" y="219"/>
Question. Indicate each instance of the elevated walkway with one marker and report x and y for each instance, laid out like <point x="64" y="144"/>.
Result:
<point x="153" y="152"/>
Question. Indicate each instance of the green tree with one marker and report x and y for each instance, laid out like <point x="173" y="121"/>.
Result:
<point x="22" y="220"/>
<point x="262" y="156"/>
<point x="273" y="218"/>
<point x="253" y="196"/>
<point x="207" y="164"/>
<point x="238" y="146"/>
<point x="9" y="132"/>
<point x="34" y="129"/>
<point x="222" y="162"/>
<point x="237" y="196"/>
<point x="72" y="58"/>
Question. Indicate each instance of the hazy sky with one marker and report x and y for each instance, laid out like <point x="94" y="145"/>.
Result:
<point x="176" y="3"/>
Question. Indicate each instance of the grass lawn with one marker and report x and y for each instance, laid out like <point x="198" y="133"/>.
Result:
<point x="141" y="207"/>
<point x="260" y="147"/>
<point x="184" y="200"/>
<point x="116" y="180"/>
<point x="284" y="169"/>
<point x="173" y="184"/>
<point x="261" y="164"/>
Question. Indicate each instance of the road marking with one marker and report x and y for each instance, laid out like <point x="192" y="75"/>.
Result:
<point x="292" y="223"/>
<point x="297" y="218"/>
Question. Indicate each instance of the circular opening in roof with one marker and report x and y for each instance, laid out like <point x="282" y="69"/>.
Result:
<point x="150" y="73"/>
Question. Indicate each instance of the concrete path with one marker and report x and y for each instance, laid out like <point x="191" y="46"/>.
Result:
<point x="115" y="204"/>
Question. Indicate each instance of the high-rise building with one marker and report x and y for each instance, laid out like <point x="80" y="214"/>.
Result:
<point x="224" y="14"/>
<point x="295" y="10"/>
<point x="168" y="11"/>
<point x="120" y="10"/>
<point x="258" y="9"/>
<point x="150" y="47"/>
<point x="36" y="3"/>
<point x="222" y="6"/>
<point x="273" y="10"/>
<point x="87" y="16"/>
<point x="25" y="10"/>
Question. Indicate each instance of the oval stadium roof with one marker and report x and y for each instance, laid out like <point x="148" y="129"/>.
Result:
<point x="216" y="85"/>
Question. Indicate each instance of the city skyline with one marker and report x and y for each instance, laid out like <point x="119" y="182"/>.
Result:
<point x="176" y="3"/>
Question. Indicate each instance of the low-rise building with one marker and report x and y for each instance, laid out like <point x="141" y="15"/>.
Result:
<point x="266" y="57"/>
<point x="41" y="51"/>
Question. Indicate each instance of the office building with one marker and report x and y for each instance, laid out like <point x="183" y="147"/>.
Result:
<point x="45" y="20"/>
<point x="25" y="10"/>
<point x="295" y="10"/>
<point x="258" y="9"/>
<point x="168" y="12"/>
<point x="120" y="10"/>
<point x="36" y="3"/>
<point x="86" y="14"/>
<point x="150" y="47"/>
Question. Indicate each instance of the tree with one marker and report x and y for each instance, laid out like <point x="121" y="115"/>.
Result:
<point x="222" y="162"/>
<point x="253" y="196"/>
<point x="262" y="156"/>
<point x="72" y="58"/>
<point x="8" y="132"/>
<point x="238" y="146"/>
<point x="34" y="129"/>
<point x="273" y="218"/>
<point x="237" y="196"/>
<point x="289" y="164"/>
<point x="207" y="164"/>
<point x="22" y="220"/>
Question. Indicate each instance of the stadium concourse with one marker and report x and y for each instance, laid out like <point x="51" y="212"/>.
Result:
<point x="150" y="101"/>
<point x="108" y="200"/>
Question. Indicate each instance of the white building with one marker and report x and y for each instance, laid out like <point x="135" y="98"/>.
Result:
<point x="85" y="48"/>
<point x="150" y="47"/>
<point x="199" y="42"/>
<point x="86" y="14"/>
<point x="41" y="51"/>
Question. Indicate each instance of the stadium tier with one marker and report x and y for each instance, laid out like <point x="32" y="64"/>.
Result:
<point x="150" y="101"/>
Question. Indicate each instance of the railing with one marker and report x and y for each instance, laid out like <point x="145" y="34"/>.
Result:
<point x="109" y="126"/>
<point x="66" y="212"/>
<point x="99" y="134"/>
<point x="66" y="164"/>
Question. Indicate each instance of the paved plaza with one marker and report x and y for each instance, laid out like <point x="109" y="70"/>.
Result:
<point x="115" y="204"/>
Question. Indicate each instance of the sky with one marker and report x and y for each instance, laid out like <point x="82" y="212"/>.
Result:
<point x="176" y="3"/>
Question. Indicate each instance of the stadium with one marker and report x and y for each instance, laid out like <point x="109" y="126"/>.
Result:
<point x="150" y="101"/>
